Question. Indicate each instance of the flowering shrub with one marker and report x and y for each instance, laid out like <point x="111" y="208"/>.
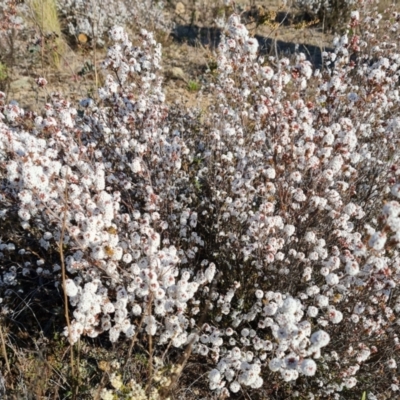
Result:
<point x="11" y="22"/>
<point x="94" y="19"/>
<point x="261" y="236"/>
<point x="330" y="12"/>
<point x="9" y="10"/>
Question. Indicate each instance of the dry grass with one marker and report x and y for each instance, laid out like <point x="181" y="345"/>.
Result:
<point x="45" y="17"/>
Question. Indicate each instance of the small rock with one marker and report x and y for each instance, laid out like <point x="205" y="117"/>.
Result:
<point x="176" y="73"/>
<point x="180" y="9"/>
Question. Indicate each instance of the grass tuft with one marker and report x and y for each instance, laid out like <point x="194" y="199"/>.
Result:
<point x="44" y="13"/>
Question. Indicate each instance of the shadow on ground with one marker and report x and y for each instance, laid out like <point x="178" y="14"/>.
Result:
<point x="210" y="37"/>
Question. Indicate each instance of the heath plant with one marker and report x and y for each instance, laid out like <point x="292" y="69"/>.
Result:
<point x="12" y="23"/>
<point x="332" y="14"/>
<point x="259" y="240"/>
<point x="91" y="20"/>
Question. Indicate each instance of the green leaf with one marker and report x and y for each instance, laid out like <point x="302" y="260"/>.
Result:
<point x="364" y="396"/>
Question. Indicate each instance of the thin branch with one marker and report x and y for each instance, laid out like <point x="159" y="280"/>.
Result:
<point x="63" y="274"/>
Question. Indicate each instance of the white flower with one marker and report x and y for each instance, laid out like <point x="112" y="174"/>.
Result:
<point x="151" y="325"/>
<point x="312" y="311"/>
<point x="355" y="15"/>
<point x="210" y="272"/>
<point x="289" y="306"/>
<point x="106" y="394"/>
<point x="289" y="230"/>
<point x="353" y="97"/>
<point x="71" y="289"/>
<point x="24" y="214"/>
<point x="270" y="173"/>
<point x="245" y="332"/>
<point x="234" y="387"/>
<point x="258" y="382"/>
<point x="320" y="338"/>
<point x="25" y="196"/>
<point x="396" y="190"/>
<point x="117" y="33"/>
<point x="229" y="332"/>
<point x="214" y="376"/>
<point x="288" y="375"/>
<point x="310" y="237"/>
<point x="355" y="318"/>
<point x="334" y="315"/>
<point x="267" y="73"/>
<point x="108" y="308"/>
<point x="308" y="367"/>
<point x="251" y="46"/>
<point x="270" y="309"/>
<point x="275" y="364"/>
<point x="350" y="382"/>
<point x="136" y="309"/>
<point x="127" y="258"/>
<point x="116" y="381"/>
<point x="359" y="308"/>
<point x="322" y="301"/>
<point x="352" y="268"/>
<point x="377" y="241"/>
<point x="324" y="271"/>
<point x="332" y="279"/>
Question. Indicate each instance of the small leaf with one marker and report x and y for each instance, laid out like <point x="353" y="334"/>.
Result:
<point x="364" y="396"/>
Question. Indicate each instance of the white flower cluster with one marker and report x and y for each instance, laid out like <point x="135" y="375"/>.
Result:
<point x="262" y="235"/>
<point x="12" y="22"/>
<point x="93" y="222"/>
<point x="11" y="12"/>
